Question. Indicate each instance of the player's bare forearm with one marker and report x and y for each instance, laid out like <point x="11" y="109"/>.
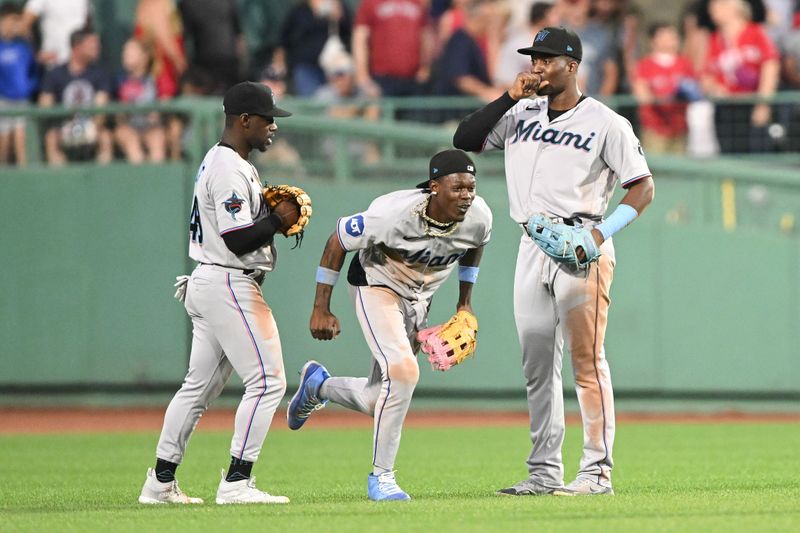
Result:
<point x="323" y="324"/>
<point x="470" y="259"/>
<point x="464" y="296"/>
<point x="640" y="194"/>
<point x="332" y="258"/>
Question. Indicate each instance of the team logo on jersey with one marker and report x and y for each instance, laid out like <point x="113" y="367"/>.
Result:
<point x="541" y="36"/>
<point x="639" y="147"/>
<point x="535" y="132"/>
<point x="354" y="226"/>
<point x="424" y="257"/>
<point x="233" y="205"/>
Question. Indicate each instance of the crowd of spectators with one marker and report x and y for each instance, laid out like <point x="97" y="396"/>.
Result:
<point x="342" y="56"/>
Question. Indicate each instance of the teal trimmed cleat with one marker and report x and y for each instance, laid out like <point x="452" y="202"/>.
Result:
<point x="383" y="487"/>
<point x="306" y="400"/>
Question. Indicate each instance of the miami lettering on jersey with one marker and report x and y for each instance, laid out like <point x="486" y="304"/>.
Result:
<point x="424" y="257"/>
<point x="535" y="132"/>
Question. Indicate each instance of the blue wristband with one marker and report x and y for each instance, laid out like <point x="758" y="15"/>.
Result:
<point x="468" y="274"/>
<point x="327" y="276"/>
<point x="621" y="217"/>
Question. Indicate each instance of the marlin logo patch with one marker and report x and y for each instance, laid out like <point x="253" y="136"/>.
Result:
<point x="233" y="205"/>
<point x="570" y="49"/>
<point x="541" y="36"/>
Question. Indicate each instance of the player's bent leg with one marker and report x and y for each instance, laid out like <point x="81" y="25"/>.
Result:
<point x="208" y="373"/>
<point x="249" y="337"/>
<point x="307" y="398"/>
<point x="264" y="389"/>
<point x="358" y="394"/>
<point x="585" y="326"/>
<point x="400" y="380"/>
<point x="155" y="492"/>
<point x="386" y="325"/>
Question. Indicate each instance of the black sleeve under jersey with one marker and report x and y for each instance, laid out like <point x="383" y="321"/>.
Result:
<point x="473" y="130"/>
<point x="245" y="240"/>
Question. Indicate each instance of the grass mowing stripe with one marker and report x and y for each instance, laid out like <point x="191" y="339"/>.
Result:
<point x="668" y="478"/>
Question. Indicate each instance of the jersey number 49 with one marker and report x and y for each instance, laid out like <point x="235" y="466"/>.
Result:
<point x="195" y="228"/>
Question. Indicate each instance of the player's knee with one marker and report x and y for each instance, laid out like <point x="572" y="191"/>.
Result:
<point x="280" y="383"/>
<point x="405" y="371"/>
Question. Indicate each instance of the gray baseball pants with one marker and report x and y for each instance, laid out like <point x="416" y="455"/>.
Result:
<point x="554" y="305"/>
<point x="390" y="324"/>
<point x="232" y="330"/>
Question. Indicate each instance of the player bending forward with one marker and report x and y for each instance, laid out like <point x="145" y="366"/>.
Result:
<point x="408" y="242"/>
<point x="231" y="237"/>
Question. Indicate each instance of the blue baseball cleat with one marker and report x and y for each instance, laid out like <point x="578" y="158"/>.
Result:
<point x="306" y="400"/>
<point x="383" y="487"/>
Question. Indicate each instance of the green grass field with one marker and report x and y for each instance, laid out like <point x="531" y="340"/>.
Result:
<point x="736" y="477"/>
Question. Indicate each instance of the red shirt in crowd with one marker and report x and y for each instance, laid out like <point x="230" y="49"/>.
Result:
<point x="663" y="79"/>
<point x="737" y="66"/>
<point x="395" y="35"/>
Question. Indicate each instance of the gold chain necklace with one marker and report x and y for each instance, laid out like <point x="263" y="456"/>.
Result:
<point x="428" y="221"/>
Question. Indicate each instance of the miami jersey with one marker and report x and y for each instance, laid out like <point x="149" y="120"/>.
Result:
<point x="395" y="249"/>
<point x="568" y="167"/>
<point x="227" y="197"/>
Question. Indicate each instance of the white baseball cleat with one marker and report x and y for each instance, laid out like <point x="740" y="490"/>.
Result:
<point x="584" y="487"/>
<point x="244" y="491"/>
<point x="156" y="492"/>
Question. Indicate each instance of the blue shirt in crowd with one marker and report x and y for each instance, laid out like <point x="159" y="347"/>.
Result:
<point x="17" y="70"/>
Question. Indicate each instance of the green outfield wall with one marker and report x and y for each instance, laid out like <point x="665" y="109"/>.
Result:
<point x="705" y="293"/>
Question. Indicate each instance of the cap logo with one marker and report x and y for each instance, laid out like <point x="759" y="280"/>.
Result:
<point x="570" y="49"/>
<point x="435" y="170"/>
<point x="541" y="36"/>
<point x="470" y="168"/>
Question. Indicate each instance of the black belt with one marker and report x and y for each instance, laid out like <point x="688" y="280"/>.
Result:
<point x="246" y="271"/>
<point x="568" y="221"/>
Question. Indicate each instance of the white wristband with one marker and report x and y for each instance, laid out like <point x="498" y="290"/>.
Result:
<point x="327" y="276"/>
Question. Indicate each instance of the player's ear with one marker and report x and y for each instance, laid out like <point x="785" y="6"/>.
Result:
<point x="244" y="120"/>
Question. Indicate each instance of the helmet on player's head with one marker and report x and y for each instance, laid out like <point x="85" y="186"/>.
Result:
<point x="555" y="42"/>
<point x="252" y="98"/>
<point x="446" y="163"/>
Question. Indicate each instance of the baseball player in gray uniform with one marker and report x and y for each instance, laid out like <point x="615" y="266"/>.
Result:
<point x="564" y="154"/>
<point x="231" y="238"/>
<point x="407" y="243"/>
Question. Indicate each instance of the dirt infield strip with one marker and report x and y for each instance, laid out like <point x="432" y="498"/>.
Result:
<point x="83" y="420"/>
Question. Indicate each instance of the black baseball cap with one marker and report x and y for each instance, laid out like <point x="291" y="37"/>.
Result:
<point x="555" y="42"/>
<point x="446" y="163"/>
<point x="252" y="98"/>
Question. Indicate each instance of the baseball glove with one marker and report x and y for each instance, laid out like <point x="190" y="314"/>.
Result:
<point x="450" y="343"/>
<point x="276" y="194"/>
<point x="561" y="242"/>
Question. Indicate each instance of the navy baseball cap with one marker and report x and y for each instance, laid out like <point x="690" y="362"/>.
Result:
<point x="252" y="98"/>
<point x="446" y="163"/>
<point x="555" y="42"/>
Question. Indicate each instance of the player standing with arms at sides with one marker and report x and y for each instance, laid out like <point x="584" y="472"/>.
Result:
<point x="231" y="238"/>
<point x="407" y="243"/>
<point x="564" y="153"/>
